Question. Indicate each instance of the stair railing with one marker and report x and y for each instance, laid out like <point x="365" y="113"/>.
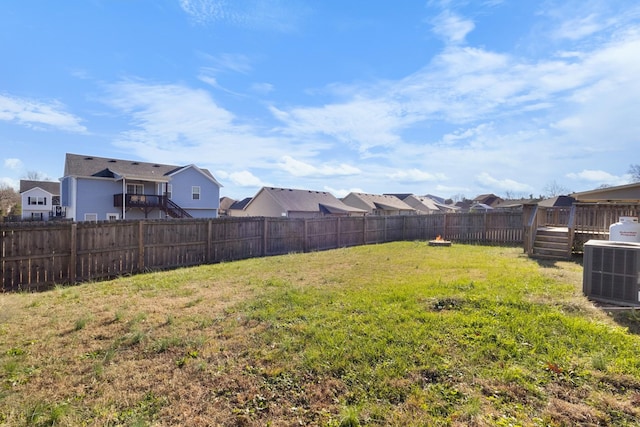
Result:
<point x="174" y="210"/>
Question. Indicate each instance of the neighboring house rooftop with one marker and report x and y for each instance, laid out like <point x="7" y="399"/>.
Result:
<point x="558" y="201"/>
<point x="51" y="187"/>
<point x="293" y="200"/>
<point x="240" y="204"/>
<point x="620" y="193"/>
<point x="487" y="199"/>
<point x="87" y="166"/>
<point x="512" y="204"/>
<point x="383" y="202"/>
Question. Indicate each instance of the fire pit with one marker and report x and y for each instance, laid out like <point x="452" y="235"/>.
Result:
<point x="439" y="241"/>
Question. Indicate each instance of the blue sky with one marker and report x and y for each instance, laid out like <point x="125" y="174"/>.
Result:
<point x="440" y="97"/>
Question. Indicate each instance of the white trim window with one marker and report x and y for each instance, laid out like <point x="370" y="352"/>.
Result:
<point x="135" y="188"/>
<point x="195" y="192"/>
<point x="113" y="216"/>
<point x="169" y="190"/>
<point x="91" y="217"/>
<point x="36" y="200"/>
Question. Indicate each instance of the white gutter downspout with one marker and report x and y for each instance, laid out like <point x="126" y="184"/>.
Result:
<point x="124" y="197"/>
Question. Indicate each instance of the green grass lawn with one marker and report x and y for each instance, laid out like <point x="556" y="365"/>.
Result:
<point x="400" y="334"/>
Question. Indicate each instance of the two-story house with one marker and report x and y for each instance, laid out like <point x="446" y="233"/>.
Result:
<point x="40" y="200"/>
<point x="97" y="189"/>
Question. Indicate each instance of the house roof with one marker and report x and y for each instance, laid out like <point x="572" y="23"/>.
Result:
<point x="226" y="202"/>
<point x="488" y="199"/>
<point x="51" y="187"/>
<point x="628" y="192"/>
<point x="515" y="203"/>
<point x="558" y="201"/>
<point x="382" y="201"/>
<point x="292" y="200"/>
<point x="240" y="204"/>
<point x="92" y="166"/>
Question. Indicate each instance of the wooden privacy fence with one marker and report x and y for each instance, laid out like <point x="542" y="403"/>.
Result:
<point x="36" y="256"/>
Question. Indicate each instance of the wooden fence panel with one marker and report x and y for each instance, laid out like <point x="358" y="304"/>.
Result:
<point x="106" y="249"/>
<point x="503" y="227"/>
<point x="321" y="234"/>
<point x="236" y="238"/>
<point x="169" y="244"/>
<point x="352" y="231"/>
<point x="394" y="228"/>
<point x="374" y="229"/>
<point x="285" y="236"/>
<point x="34" y="257"/>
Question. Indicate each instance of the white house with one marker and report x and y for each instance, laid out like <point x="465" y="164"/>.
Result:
<point x="40" y="200"/>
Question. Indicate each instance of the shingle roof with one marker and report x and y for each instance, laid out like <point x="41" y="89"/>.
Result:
<point x="85" y="166"/>
<point x="308" y="200"/>
<point x="52" y="187"/>
<point x="383" y="201"/>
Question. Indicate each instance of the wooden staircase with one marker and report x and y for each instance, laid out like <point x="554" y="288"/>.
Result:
<point x="552" y="243"/>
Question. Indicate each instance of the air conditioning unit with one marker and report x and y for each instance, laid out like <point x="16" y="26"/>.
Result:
<point x="612" y="272"/>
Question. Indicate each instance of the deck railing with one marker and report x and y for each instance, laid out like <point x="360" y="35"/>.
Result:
<point x="584" y="221"/>
<point x="149" y="202"/>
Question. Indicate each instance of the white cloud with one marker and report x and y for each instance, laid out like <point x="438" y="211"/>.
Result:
<point x="451" y="27"/>
<point x="176" y="124"/>
<point x="13" y="164"/>
<point x="278" y="15"/>
<point x="361" y="122"/>
<point x="416" y="175"/>
<point x="488" y="181"/>
<point x="38" y="115"/>
<point x="243" y="179"/>
<point x="299" y="168"/>
<point x="598" y="176"/>
<point x="262" y="88"/>
<point x="580" y="27"/>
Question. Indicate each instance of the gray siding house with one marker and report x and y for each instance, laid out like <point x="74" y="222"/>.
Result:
<point x="291" y="203"/>
<point x="97" y="189"/>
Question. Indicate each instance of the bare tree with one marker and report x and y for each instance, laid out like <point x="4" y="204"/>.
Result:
<point x="35" y="176"/>
<point x="553" y="189"/>
<point x="9" y="200"/>
<point x="634" y="171"/>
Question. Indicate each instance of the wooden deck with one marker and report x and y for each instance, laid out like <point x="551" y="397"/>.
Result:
<point x="580" y="223"/>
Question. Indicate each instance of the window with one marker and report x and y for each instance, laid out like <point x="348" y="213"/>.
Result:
<point x="113" y="217"/>
<point x="135" y="189"/>
<point x="169" y="191"/>
<point x="91" y="217"/>
<point x="195" y="192"/>
<point x="37" y="200"/>
<point x="36" y="215"/>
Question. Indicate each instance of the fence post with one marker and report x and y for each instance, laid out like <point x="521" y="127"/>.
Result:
<point x="73" y="256"/>
<point x="305" y="244"/>
<point x="338" y="232"/>
<point x="141" y="246"/>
